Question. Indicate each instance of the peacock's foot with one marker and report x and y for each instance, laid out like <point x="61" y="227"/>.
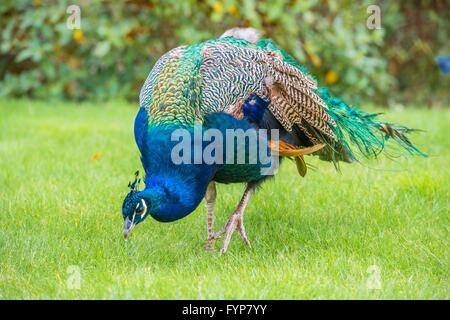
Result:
<point x="210" y="241"/>
<point x="236" y="222"/>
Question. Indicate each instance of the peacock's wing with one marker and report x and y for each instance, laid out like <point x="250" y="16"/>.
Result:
<point x="188" y="83"/>
<point x="233" y="69"/>
<point x="220" y="75"/>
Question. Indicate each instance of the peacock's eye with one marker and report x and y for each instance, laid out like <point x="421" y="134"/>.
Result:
<point x="141" y="208"/>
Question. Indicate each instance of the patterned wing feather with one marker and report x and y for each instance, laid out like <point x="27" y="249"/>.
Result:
<point x="231" y="72"/>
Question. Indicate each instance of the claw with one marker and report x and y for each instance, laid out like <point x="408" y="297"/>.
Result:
<point x="210" y="241"/>
<point x="241" y="229"/>
<point x="230" y="227"/>
<point x="236" y="222"/>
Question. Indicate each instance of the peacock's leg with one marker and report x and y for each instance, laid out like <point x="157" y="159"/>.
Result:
<point x="237" y="220"/>
<point x="210" y="198"/>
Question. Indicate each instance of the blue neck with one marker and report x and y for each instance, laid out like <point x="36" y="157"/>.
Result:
<point x="172" y="191"/>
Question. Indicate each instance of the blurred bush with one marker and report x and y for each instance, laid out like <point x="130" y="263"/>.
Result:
<point x="112" y="53"/>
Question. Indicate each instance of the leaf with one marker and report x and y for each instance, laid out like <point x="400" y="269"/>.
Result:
<point x="101" y="49"/>
<point x="24" y="55"/>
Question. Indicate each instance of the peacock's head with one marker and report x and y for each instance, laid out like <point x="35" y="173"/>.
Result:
<point x="164" y="198"/>
<point x="134" y="207"/>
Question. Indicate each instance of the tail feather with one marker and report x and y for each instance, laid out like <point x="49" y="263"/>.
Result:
<point x="360" y="133"/>
<point x="285" y="149"/>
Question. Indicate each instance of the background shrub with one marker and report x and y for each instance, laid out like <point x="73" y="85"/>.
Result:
<point x="112" y="53"/>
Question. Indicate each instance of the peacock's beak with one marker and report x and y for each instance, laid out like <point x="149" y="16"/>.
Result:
<point x="127" y="227"/>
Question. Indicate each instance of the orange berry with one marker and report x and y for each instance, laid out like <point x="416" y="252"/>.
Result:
<point x="233" y="10"/>
<point x="78" y="36"/>
<point x="218" y="7"/>
<point x="331" y="77"/>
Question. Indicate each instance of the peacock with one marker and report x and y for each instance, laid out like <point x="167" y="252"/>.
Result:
<point x="239" y="81"/>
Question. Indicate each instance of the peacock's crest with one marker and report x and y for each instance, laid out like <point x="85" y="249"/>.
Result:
<point x="134" y="186"/>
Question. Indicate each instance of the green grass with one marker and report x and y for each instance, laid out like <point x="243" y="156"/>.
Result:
<point x="315" y="237"/>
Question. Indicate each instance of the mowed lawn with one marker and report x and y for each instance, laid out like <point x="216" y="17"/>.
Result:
<point x="377" y="230"/>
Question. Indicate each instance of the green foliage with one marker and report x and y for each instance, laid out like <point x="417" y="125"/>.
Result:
<point x="64" y="174"/>
<point x="112" y="53"/>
